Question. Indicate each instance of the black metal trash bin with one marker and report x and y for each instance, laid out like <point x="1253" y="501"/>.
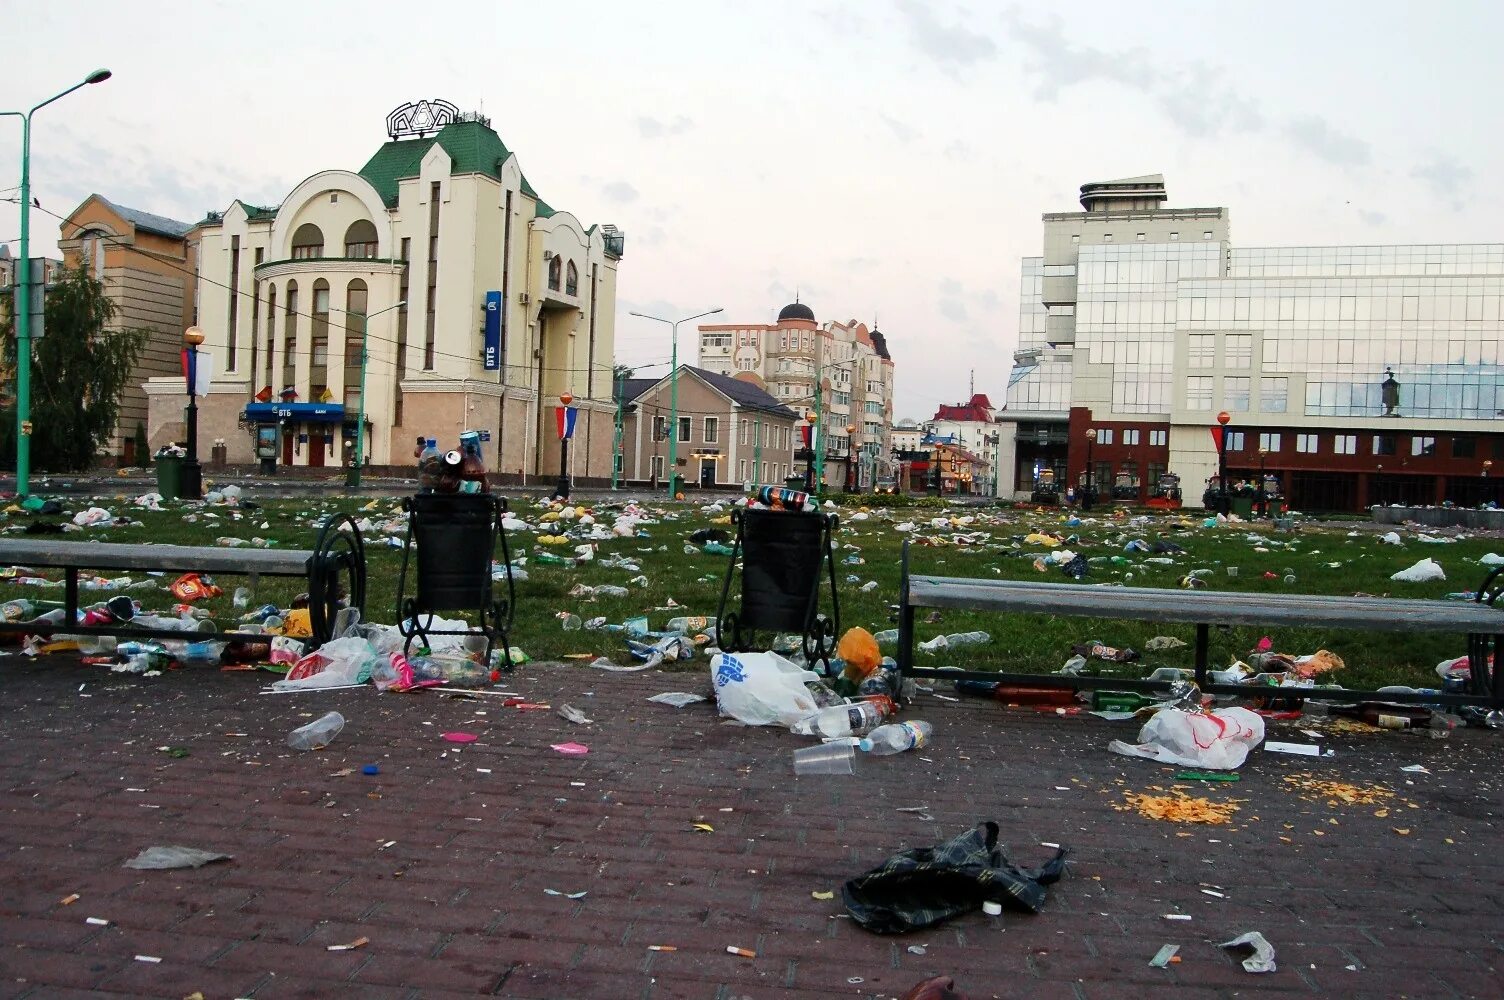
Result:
<point x="782" y="553"/>
<point x="455" y="537"/>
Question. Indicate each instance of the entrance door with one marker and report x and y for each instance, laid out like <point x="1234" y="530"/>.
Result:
<point x="707" y="472"/>
<point x="317" y="449"/>
<point x="286" y="447"/>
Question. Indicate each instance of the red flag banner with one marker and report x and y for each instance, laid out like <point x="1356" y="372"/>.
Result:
<point x="1217" y="432"/>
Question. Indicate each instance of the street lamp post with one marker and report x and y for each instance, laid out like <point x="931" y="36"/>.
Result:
<point x="1263" y="491"/>
<point x="562" y="490"/>
<point x="23" y="288"/>
<point x="673" y="394"/>
<point x="192" y="487"/>
<point x="1091" y="439"/>
<point x="353" y="479"/>
<point x="809" y="455"/>
<point x="1223" y="504"/>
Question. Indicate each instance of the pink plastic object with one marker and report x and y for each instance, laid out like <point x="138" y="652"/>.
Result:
<point x="572" y="749"/>
<point x="460" y="737"/>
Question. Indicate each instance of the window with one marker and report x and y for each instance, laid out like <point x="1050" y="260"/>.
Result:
<point x="660" y="428"/>
<point x="1345" y="444"/>
<point x="1202" y="350"/>
<point x="555" y="272"/>
<point x="657" y="468"/>
<point x="1140" y="237"/>
<point x="1274" y="394"/>
<point x="1158" y="439"/>
<point x="1206" y="235"/>
<point x="360" y="239"/>
<point x="712" y="429"/>
<point x="1174" y="237"/>
<point x="1234" y="440"/>
<point x="1269" y="442"/>
<point x="431" y="315"/>
<point x="741" y="470"/>
<point x="1422" y="445"/>
<point x="1198" y="392"/>
<point x="685" y="431"/>
<point x="745" y="425"/>
<point x="1238" y="350"/>
<point x="1104" y="435"/>
<point x="1156" y="470"/>
<point x="1464" y="447"/>
<point x="307" y="242"/>
<point x="1306" y="444"/>
<point x="1130" y="435"/>
<point x="571" y="279"/>
<point x="1076" y="238"/>
<point x="1383" y="444"/>
<point x="1107" y="238"/>
<point x="1235" y="393"/>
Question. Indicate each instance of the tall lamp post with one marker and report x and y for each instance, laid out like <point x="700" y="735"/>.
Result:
<point x="193" y="474"/>
<point x="674" y="479"/>
<point x="1086" y="494"/>
<point x="809" y="454"/>
<point x="353" y="479"/>
<point x="1223" y="505"/>
<point x="23" y="288"/>
<point x="1263" y="490"/>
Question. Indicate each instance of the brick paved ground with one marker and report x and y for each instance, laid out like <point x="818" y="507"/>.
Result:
<point x="443" y="858"/>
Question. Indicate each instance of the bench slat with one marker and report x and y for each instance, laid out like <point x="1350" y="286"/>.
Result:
<point x="1203" y="606"/>
<point x="180" y="558"/>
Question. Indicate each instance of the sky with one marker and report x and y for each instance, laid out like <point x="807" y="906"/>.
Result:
<point x="886" y="160"/>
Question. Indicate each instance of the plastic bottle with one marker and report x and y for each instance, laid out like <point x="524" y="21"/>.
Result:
<point x="454" y="671"/>
<point x="549" y="559"/>
<point x="896" y="737"/>
<point x="317" y="734"/>
<point x="844" y="720"/>
<point x="687" y="625"/>
<point x="428" y="466"/>
<point x="967" y="639"/>
<point x="886" y="635"/>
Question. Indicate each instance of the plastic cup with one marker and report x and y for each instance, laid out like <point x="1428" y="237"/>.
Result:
<point x="1232" y="571"/>
<point x="827" y="758"/>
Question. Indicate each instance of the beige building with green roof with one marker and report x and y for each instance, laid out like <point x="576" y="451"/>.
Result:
<point x="509" y="303"/>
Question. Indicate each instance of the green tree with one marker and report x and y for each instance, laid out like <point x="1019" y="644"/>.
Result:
<point x="622" y="371"/>
<point x="78" y="370"/>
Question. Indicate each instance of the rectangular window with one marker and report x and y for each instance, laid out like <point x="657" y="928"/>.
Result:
<point x="1238" y="348"/>
<point x="1464" y="447"/>
<point x="1269" y="442"/>
<point x="1410" y="307"/>
<point x="741" y="470"/>
<point x="657" y="468"/>
<point x="712" y="429"/>
<point x="1345" y="444"/>
<point x="1075" y="237"/>
<point x="1156" y="470"/>
<point x="745" y="425"/>
<point x="1306" y="444"/>
<point x="430" y="319"/>
<point x="1274" y="394"/>
<point x="1202" y="352"/>
<point x="1174" y="237"/>
<point x="1104" y="435"/>
<point x="1422" y="445"/>
<point x="1107" y="238"/>
<point x="1158" y="439"/>
<point x="1130" y="435"/>
<point x="407" y="253"/>
<point x="685" y="431"/>
<point x="1140" y="237"/>
<point x="1198" y="392"/>
<point x="1383" y="444"/>
<point x="1206" y="235"/>
<point x="255" y="315"/>
<point x="1235" y="393"/>
<point x="1234" y="440"/>
<point x="233" y="363"/>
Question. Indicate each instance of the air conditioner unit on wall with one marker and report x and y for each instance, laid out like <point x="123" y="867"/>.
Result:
<point x="524" y="298"/>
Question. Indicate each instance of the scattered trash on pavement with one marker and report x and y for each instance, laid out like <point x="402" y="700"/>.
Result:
<point x="317" y="734"/>
<point x="172" y="857"/>
<point x="1163" y="957"/>
<point x="571" y="749"/>
<point x="678" y="699"/>
<point x="1262" y="957"/>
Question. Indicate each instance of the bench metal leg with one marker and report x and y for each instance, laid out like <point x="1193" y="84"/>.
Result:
<point x="905" y="621"/>
<point x="70" y="597"/>
<point x="1202" y="641"/>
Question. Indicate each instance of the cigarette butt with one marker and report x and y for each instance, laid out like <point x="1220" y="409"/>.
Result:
<point x="357" y="943"/>
<point x="69" y="900"/>
<point x="732" y="949"/>
<point x="97" y="921"/>
<point x="662" y="947"/>
<point x="148" y="958"/>
<point x="1174" y="959"/>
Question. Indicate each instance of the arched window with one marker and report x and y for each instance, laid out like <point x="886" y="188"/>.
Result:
<point x="307" y="242"/>
<point x="554" y="267"/>
<point x="360" y="239"/>
<point x="572" y="280"/>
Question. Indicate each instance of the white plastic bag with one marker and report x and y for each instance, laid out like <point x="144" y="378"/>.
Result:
<point x="343" y="661"/>
<point x="1422" y="572"/>
<point x="762" y="689"/>
<point x="1219" y="739"/>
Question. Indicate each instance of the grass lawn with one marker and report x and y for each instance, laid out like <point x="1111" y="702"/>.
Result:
<point x="1323" y="560"/>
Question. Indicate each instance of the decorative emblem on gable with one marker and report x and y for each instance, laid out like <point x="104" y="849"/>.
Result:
<point x="420" y="118"/>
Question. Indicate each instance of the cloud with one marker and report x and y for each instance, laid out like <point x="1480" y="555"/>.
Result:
<point x="652" y="128"/>
<point x="953" y="310"/>
<point x="620" y="192"/>
<point x="958" y="150"/>
<point x="1446" y="177"/>
<point x="1321" y="139"/>
<point x="1372" y="218"/>
<point x="1197" y="100"/>
<point x="904" y="131"/>
<point x="951" y="46"/>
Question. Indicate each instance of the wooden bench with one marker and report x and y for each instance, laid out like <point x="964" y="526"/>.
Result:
<point x="1482" y="623"/>
<point x="334" y="568"/>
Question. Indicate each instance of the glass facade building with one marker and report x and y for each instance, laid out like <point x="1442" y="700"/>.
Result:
<point x="1147" y="318"/>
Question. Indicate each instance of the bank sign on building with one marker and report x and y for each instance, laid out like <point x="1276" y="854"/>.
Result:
<point x="480" y="306"/>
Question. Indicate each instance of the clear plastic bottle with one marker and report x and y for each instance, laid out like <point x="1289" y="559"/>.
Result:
<point x="428" y="465"/>
<point x="896" y="737"/>
<point x="968" y="638"/>
<point x="455" y="671"/>
<point x="317" y="734"/>
<point x="886" y="635"/>
<point x="685" y="624"/>
<point x="854" y="719"/>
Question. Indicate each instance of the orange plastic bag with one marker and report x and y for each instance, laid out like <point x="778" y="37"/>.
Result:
<point x="859" y="649"/>
<point x="192" y="587"/>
